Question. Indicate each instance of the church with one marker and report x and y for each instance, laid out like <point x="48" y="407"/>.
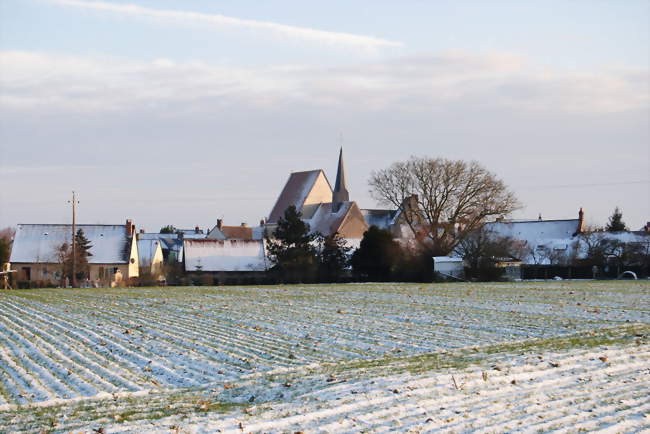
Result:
<point x="329" y="211"/>
<point x="326" y="211"/>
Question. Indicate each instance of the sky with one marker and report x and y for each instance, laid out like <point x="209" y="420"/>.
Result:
<point x="170" y="112"/>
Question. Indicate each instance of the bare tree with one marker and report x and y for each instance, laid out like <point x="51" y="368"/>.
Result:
<point x="483" y="248"/>
<point x="442" y="201"/>
<point x="6" y="239"/>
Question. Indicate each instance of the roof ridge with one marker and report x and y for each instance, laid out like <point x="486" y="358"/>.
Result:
<point x="69" y="224"/>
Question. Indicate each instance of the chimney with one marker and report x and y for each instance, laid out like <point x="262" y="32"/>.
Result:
<point x="130" y="227"/>
<point x="219" y="223"/>
<point x="647" y="227"/>
<point x="540" y="217"/>
<point x="243" y="225"/>
<point x="197" y="230"/>
<point x="141" y="231"/>
<point x="581" y="221"/>
<point x="262" y="222"/>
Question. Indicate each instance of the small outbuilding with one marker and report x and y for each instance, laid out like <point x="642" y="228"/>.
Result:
<point x="449" y="266"/>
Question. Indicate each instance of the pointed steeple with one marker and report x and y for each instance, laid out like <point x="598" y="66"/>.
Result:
<point x="340" y="193"/>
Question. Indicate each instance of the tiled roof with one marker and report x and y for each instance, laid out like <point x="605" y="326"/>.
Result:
<point x="237" y="232"/>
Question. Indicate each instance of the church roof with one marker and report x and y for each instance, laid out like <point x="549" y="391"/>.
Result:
<point x="295" y="192"/>
<point x="37" y="243"/>
<point x="325" y="221"/>
<point x="341" y="193"/>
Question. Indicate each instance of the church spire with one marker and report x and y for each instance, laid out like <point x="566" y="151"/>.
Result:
<point x="340" y="193"/>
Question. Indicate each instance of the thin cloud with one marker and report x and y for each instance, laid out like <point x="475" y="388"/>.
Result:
<point x="303" y="33"/>
<point x="416" y="84"/>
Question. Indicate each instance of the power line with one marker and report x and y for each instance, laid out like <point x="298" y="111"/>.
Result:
<point x="597" y="184"/>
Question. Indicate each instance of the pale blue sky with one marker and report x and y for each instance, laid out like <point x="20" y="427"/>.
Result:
<point x="185" y="112"/>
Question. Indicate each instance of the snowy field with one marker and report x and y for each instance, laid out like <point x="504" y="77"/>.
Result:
<point x="530" y="357"/>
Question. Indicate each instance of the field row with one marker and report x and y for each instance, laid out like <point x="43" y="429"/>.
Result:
<point x="63" y="344"/>
<point x="589" y="381"/>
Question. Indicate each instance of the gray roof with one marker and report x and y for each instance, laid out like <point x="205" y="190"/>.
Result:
<point x="37" y="243"/>
<point x="168" y="242"/>
<point x="295" y="192"/>
<point x="216" y="234"/>
<point x="533" y="230"/>
<point x="382" y="218"/>
<point x="326" y="222"/>
<point x="147" y="250"/>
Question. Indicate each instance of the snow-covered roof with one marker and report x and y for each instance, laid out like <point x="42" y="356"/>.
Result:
<point x="195" y="231"/>
<point x="532" y="230"/>
<point x="382" y="218"/>
<point x="216" y="234"/>
<point x="258" y="232"/>
<point x="295" y="192"/>
<point x="37" y="243"/>
<point x="446" y="259"/>
<point x="228" y="255"/>
<point x="326" y="222"/>
<point x="147" y="250"/>
<point x="628" y="236"/>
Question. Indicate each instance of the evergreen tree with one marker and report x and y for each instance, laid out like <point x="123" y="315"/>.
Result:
<point x="82" y="253"/>
<point x="616" y="223"/>
<point x="169" y="229"/>
<point x="333" y="257"/>
<point x="377" y="255"/>
<point x="291" y="250"/>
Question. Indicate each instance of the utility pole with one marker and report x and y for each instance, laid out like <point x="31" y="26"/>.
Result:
<point x="74" y="255"/>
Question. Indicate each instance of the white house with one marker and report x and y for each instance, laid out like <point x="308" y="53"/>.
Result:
<point x="114" y="252"/>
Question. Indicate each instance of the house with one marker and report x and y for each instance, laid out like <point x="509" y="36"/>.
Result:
<point x="544" y="240"/>
<point x="326" y="211"/>
<point x="172" y="243"/>
<point x="395" y="221"/>
<point x="449" y="266"/>
<point x="241" y="232"/>
<point x="150" y="255"/>
<point x="225" y="260"/>
<point x="114" y="250"/>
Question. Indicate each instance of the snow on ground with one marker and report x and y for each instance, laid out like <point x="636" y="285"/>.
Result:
<point x="328" y="358"/>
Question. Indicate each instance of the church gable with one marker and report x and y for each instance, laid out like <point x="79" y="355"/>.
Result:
<point x="302" y="189"/>
<point x="354" y="224"/>
<point x="347" y="220"/>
